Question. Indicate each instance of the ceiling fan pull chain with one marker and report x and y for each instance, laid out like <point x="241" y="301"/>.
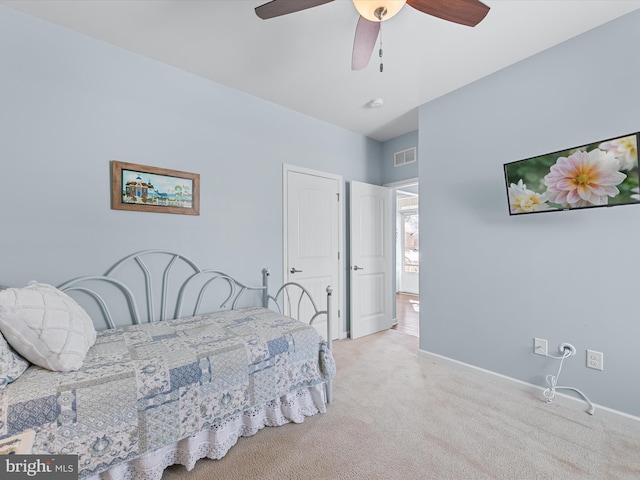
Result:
<point x="380" y="51"/>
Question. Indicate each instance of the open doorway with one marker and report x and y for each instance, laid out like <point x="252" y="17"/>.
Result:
<point x="408" y="243"/>
<point x="407" y="256"/>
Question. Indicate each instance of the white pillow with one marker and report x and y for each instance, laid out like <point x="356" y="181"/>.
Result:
<point x="46" y="326"/>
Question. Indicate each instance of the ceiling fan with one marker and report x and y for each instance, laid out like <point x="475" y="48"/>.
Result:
<point x="373" y="12"/>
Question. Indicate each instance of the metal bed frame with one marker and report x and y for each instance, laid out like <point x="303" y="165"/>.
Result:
<point x="288" y="300"/>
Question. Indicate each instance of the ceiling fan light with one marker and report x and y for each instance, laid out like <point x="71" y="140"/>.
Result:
<point x="367" y="8"/>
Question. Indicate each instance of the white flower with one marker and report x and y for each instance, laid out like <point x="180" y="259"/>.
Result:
<point x="625" y="150"/>
<point x="523" y="200"/>
<point x="636" y="193"/>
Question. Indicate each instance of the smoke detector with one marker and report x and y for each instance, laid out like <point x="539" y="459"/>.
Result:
<point x="376" y="103"/>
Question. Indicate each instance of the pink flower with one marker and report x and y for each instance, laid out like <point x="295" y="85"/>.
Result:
<point x="584" y="179"/>
<point x="625" y="150"/>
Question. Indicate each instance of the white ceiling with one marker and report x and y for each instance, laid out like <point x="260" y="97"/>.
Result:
<point x="302" y="61"/>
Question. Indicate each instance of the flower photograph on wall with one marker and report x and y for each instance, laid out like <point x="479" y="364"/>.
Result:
<point x="599" y="174"/>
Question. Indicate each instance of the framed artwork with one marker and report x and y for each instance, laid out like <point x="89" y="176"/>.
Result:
<point x="151" y="189"/>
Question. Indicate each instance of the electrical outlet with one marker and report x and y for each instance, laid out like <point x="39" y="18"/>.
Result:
<point x="567" y="347"/>
<point x="540" y="346"/>
<point x="595" y="359"/>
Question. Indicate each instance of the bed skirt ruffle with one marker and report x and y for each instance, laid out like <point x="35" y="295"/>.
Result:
<point x="217" y="440"/>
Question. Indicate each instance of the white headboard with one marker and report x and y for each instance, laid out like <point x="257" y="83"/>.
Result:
<point x="156" y="285"/>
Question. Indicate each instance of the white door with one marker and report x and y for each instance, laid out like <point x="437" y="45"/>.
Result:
<point x="371" y="259"/>
<point x="313" y="225"/>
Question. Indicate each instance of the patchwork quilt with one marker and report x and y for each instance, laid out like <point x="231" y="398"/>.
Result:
<point x="146" y="386"/>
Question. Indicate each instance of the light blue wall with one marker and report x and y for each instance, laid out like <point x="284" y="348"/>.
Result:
<point x="491" y="282"/>
<point x="70" y="104"/>
<point x="390" y="173"/>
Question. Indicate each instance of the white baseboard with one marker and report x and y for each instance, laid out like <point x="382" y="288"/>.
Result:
<point x="560" y="398"/>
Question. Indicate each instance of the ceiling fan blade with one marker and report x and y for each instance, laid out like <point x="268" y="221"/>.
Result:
<point x="276" y="8"/>
<point x="363" y="43"/>
<point x="464" y="12"/>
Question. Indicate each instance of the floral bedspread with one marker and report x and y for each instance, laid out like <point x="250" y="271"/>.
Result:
<point x="146" y="386"/>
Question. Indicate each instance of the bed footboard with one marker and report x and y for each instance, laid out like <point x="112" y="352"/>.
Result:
<point x="294" y="300"/>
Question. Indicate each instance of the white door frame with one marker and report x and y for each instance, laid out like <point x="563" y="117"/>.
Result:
<point x="395" y="185"/>
<point x="340" y="291"/>
<point x="402" y="183"/>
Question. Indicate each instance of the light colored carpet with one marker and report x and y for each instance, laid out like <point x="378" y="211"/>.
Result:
<point x="397" y="415"/>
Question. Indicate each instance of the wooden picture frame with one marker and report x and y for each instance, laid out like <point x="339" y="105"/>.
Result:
<point x="143" y="188"/>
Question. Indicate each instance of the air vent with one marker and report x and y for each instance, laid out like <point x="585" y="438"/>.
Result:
<point x="404" y="157"/>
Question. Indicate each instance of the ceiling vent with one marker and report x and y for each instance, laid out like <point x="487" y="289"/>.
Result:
<point x="404" y="157"/>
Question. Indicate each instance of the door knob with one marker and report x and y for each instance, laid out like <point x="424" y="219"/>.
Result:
<point x="295" y="270"/>
<point x="356" y="267"/>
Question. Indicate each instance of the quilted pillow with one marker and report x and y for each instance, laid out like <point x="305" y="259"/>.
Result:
<point x="12" y="365"/>
<point x="46" y="326"/>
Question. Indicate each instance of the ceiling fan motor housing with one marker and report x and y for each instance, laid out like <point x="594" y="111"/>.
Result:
<point x="378" y="10"/>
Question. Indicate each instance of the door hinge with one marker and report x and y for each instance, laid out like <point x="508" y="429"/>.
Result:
<point x="338" y="313"/>
<point x="338" y="255"/>
<point x="338" y="196"/>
